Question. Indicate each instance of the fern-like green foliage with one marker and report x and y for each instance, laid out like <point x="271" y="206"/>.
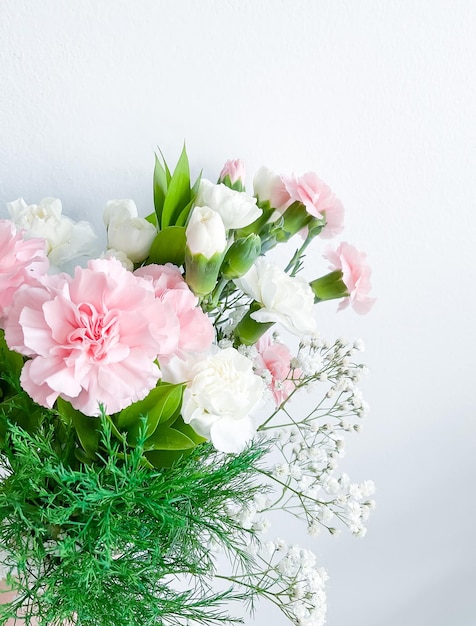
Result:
<point x="103" y="544"/>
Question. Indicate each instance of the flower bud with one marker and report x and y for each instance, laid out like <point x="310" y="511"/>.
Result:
<point x="240" y="256"/>
<point x="205" y="244"/>
<point x="119" y="211"/>
<point x="133" y="236"/>
<point x="248" y="330"/>
<point x="295" y="218"/>
<point x="233" y="175"/>
<point x="329" y="287"/>
<point x="268" y="186"/>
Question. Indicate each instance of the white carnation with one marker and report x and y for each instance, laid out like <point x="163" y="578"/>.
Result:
<point x="127" y="232"/>
<point x="284" y="299"/>
<point x="220" y="398"/>
<point x="65" y="239"/>
<point x="236" y="208"/>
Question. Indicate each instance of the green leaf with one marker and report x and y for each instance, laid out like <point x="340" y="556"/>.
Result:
<point x="152" y="218"/>
<point x="166" y="458"/>
<point x="183" y="216"/>
<point x="196" y="185"/>
<point x="160" y="405"/>
<point x="168" y="246"/>
<point x="186" y="429"/>
<point x="178" y="191"/>
<point x="160" y="188"/>
<point x="169" y="439"/>
<point x="11" y="363"/>
<point x="87" y="428"/>
<point x="81" y="455"/>
<point x="168" y="175"/>
<point x="20" y="409"/>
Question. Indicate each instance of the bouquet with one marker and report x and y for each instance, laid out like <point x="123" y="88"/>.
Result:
<point x="149" y="416"/>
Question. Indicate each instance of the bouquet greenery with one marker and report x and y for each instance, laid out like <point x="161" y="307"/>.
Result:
<point x="146" y="423"/>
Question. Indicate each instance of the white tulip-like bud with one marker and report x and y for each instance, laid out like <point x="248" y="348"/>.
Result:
<point x="205" y="232"/>
<point x="133" y="236"/>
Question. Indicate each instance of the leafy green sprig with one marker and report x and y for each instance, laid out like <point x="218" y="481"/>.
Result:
<point x="102" y="543"/>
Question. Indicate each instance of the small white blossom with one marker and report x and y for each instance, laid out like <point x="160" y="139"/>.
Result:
<point x="65" y="239"/>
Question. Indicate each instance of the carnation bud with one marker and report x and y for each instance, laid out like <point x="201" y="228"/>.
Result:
<point x="248" y="330"/>
<point x="119" y="211"/>
<point x="295" y="218"/>
<point x="133" y="236"/>
<point x="329" y="287"/>
<point x="240" y="256"/>
<point x="205" y="244"/>
<point x="268" y="187"/>
<point x="233" y="175"/>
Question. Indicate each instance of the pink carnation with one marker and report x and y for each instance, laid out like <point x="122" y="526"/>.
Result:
<point x="22" y="262"/>
<point x="275" y="358"/>
<point x="196" y="330"/>
<point x="235" y="169"/>
<point x="355" y="275"/>
<point x="93" y="339"/>
<point x="319" y="200"/>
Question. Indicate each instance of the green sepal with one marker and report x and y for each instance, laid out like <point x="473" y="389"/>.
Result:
<point x="161" y="404"/>
<point x="168" y="246"/>
<point x="87" y="428"/>
<point x="295" y="218"/>
<point x="240" y="256"/>
<point x="178" y="191"/>
<point x="201" y="273"/>
<point x="248" y="330"/>
<point x="258" y="225"/>
<point x="329" y="287"/>
<point x="238" y="185"/>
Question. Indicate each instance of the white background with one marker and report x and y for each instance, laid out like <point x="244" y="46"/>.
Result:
<point x="379" y="98"/>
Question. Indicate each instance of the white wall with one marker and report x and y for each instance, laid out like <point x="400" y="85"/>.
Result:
<point x="378" y="97"/>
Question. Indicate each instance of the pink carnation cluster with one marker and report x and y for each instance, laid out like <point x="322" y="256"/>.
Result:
<point x="196" y="331"/>
<point x="22" y="262"/>
<point x="95" y="338"/>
